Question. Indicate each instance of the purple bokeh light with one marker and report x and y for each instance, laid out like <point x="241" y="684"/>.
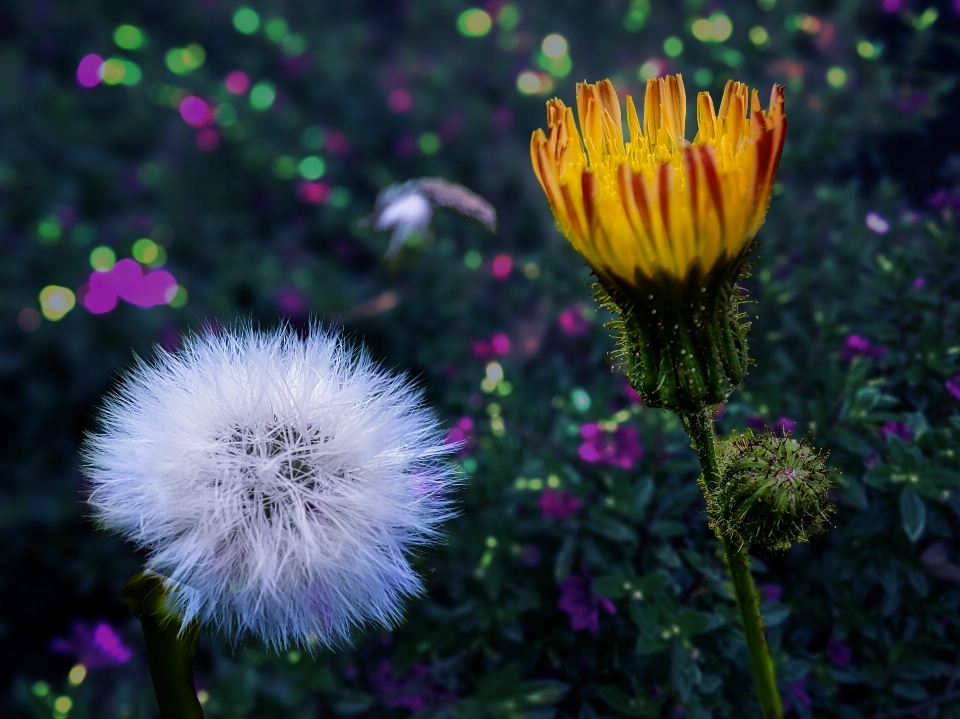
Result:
<point x="126" y="281"/>
<point x="89" y="69"/>
<point x="194" y="111"/>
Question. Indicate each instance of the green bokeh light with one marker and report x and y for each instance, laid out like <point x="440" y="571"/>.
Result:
<point x="103" y="258"/>
<point x="312" y="168"/>
<point x="673" y="46"/>
<point x="277" y="29"/>
<point x="429" y="143"/>
<point x="246" y="20"/>
<point x="262" y="95"/>
<point x="128" y="37"/>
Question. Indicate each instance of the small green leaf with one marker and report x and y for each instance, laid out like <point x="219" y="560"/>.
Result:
<point x="565" y="557"/>
<point x="544" y="693"/>
<point x="853" y="492"/>
<point x="912" y="513"/>
<point x="774" y="614"/>
<point x="610" y="528"/>
<point x="612" y="586"/>
<point x="625" y="704"/>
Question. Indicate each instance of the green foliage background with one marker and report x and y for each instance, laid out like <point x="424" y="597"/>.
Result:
<point x="488" y="640"/>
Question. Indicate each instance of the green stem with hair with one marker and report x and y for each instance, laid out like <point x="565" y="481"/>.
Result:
<point x="169" y="652"/>
<point x="700" y="429"/>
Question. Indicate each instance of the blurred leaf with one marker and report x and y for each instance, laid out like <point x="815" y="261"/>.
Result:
<point x="912" y="513"/>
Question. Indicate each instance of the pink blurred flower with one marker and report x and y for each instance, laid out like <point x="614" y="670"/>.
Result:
<point x="631" y="394"/>
<point x="573" y="320"/>
<point x="501" y="266"/>
<point x="619" y="448"/>
<point x="460" y="433"/>
<point x="579" y="601"/>
<point x="399" y="100"/>
<point x="237" y="82"/>
<point x="500" y="343"/>
<point x="561" y="505"/>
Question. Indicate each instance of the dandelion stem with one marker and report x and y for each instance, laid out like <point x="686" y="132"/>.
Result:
<point x="700" y="429"/>
<point x="169" y="653"/>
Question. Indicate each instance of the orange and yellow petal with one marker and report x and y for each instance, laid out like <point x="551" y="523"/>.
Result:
<point x="656" y="205"/>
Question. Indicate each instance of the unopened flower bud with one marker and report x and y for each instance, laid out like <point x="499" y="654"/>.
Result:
<point x="773" y="491"/>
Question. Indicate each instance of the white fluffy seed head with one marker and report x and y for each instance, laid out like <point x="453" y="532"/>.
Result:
<point x="278" y="483"/>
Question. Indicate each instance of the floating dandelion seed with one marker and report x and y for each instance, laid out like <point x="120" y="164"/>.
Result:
<point x="408" y="208"/>
<point x="277" y="484"/>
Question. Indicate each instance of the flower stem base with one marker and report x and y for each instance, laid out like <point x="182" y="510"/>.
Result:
<point x="170" y="652"/>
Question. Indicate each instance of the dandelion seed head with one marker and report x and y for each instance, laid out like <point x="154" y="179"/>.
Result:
<point x="277" y="483"/>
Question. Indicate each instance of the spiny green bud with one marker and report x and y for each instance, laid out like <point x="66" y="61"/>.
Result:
<point x="772" y="491"/>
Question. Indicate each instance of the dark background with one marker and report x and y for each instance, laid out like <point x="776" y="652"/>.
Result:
<point x="83" y="168"/>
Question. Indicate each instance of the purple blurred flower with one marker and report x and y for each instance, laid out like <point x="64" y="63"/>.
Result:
<point x="857" y="346"/>
<point x="416" y="690"/>
<point x="619" y="448"/>
<point x="631" y="394"/>
<point x="839" y="653"/>
<point x="797" y="691"/>
<point x="561" y="505"/>
<point x="897" y="429"/>
<point x="942" y="199"/>
<point x="919" y="283"/>
<point x="953" y="385"/>
<point x="579" y="601"/>
<point x="771" y="592"/>
<point x="784" y="425"/>
<point x="93" y="646"/>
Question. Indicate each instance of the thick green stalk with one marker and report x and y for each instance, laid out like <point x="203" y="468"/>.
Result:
<point x="738" y="562"/>
<point x="700" y="429"/>
<point x="169" y="653"/>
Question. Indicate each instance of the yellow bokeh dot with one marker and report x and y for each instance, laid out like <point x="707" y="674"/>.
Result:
<point x="77" y="674"/>
<point x="63" y="704"/>
<point x="203" y="696"/>
<point x="113" y="71"/>
<point x="56" y="302"/>
<point x="474" y="22"/>
<point x="553" y="481"/>
<point x="866" y="49"/>
<point x="758" y="35"/>
<point x="103" y="258"/>
<point x="836" y="76"/>
<point x="528" y="82"/>
<point x="715" y="29"/>
<point x="145" y="251"/>
<point x="554" y="46"/>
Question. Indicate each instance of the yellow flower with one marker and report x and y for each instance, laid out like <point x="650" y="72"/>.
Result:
<point x="659" y="207"/>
